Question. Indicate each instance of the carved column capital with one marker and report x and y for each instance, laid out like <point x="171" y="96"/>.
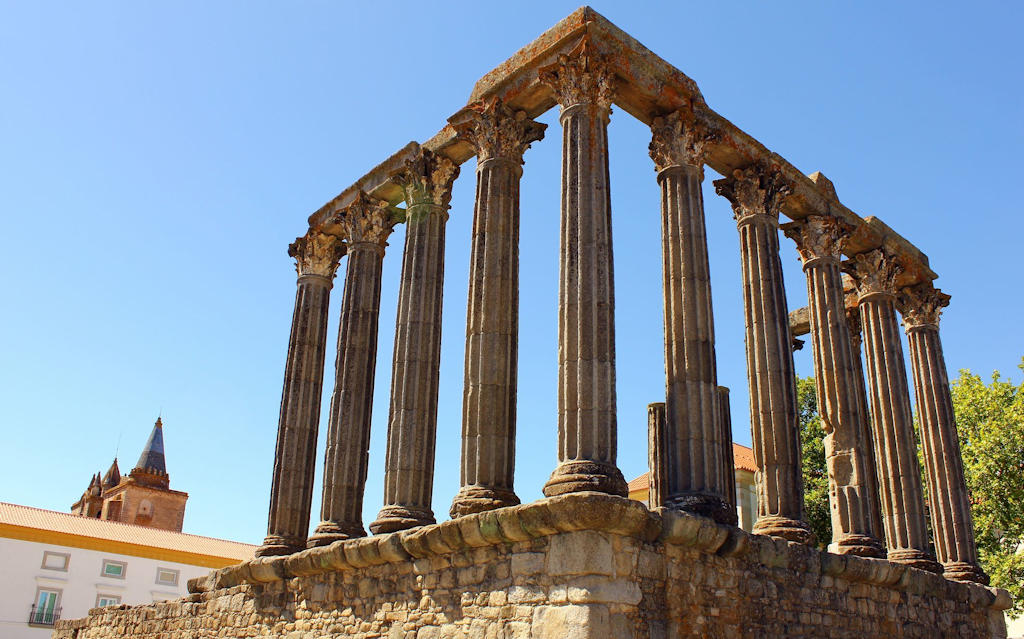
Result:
<point x="317" y="254"/>
<point x="756" y="191"/>
<point x="582" y="76"/>
<point x="427" y="179"/>
<point x="921" y="305"/>
<point x="874" y="273"/>
<point x="496" y="131"/>
<point x="679" y="138"/>
<point x="367" y="221"/>
<point x="817" y="237"/>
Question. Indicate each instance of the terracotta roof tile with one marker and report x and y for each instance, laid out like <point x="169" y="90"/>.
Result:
<point x="742" y="456"/>
<point x="51" y="520"/>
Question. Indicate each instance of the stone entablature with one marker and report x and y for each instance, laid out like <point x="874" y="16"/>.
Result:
<point x="582" y="565"/>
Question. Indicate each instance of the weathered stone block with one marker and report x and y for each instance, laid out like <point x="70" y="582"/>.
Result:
<point x="585" y="552"/>
<point x="571" y="622"/>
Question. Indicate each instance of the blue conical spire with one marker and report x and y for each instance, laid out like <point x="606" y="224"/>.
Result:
<point x="152" y="457"/>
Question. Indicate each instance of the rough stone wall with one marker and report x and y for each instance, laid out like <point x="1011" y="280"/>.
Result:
<point x="576" y="566"/>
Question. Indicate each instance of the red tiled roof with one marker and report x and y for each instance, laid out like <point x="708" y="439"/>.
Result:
<point x="743" y="458"/>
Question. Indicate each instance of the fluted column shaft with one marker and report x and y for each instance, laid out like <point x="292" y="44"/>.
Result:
<point x="291" y="493"/>
<point x="367" y="225"/>
<point x="586" y="309"/>
<point x="756" y="194"/>
<point x="851" y="475"/>
<point x="853" y="324"/>
<point x="902" y="500"/>
<point x="952" y="525"/>
<point x="500" y="136"/>
<point x="656" y="454"/>
<point x="694" y="452"/>
<point x="412" y="423"/>
<point x="729" y="465"/>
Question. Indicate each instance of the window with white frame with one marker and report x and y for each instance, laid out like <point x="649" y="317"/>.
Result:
<point x="167" y="576"/>
<point x="107" y="600"/>
<point x="115" y="569"/>
<point x="55" y="560"/>
<point x="46" y="609"/>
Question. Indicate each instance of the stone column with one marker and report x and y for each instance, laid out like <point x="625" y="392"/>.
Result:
<point x="694" y="451"/>
<point x="656" y="454"/>
<point x="500" y="136"/>
<point x="902" y="501"/>
<point x="853" y="492"/>
<point x="756" y="194"/>
<point x="729" y="466"/>
<point x="412" y="423"/>
<point x="291" y="493"/>
<point x="366" y="225"/>
<point x="583" y="85"/>
<point x="853" y="323"/>
<point x="952" y="527"/>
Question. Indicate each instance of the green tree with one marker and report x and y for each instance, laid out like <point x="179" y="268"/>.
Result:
<point x="990" y="423"/>
<point x="816" y="508"/>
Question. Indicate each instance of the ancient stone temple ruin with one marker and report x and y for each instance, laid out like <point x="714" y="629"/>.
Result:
<point x="587" y="562"/>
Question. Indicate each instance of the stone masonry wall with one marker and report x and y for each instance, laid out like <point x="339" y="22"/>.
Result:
<point x="577" y="566"/>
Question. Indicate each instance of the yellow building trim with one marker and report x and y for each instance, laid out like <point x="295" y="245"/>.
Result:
<point x="37" y="535"/>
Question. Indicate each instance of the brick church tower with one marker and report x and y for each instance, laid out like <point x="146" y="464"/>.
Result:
<point x="143" y="497"/>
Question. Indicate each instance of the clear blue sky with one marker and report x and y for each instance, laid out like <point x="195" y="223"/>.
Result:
<point x="156" y="159"/>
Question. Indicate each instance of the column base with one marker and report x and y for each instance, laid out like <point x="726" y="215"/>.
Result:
<point x="703" y="505"/>
<point x="278" y="545"/>
<point x="397" y="517"/>
<point x="328" y="532"/>
<point x="963" y="571"/>
<point x="915" y="559"/>
<point x="476" y="499"/>
<point x="859" y="545"/>
<point x="786" y="528"/>
<point x="586" y="476"/>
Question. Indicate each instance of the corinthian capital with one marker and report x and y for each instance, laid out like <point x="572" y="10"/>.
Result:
<point x="755" y="190"/>
<point x="317" y="253"/>
<point x="679" y="138"/>
<point x="921" y="305"/>
<point x="367" y="220"/>
<point x="817" y="236"/>
<point x="496" y="131"/>
<point x="873" y="273"/>
<point x="582" y="76"/>
<point x="427" y="179"/>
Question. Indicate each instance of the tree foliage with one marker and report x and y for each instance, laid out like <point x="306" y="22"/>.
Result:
<point x="815" y="473"/>
<point x="990" y="422"/>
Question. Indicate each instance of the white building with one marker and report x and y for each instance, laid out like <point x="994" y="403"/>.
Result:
<point x="58" y="565"/>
